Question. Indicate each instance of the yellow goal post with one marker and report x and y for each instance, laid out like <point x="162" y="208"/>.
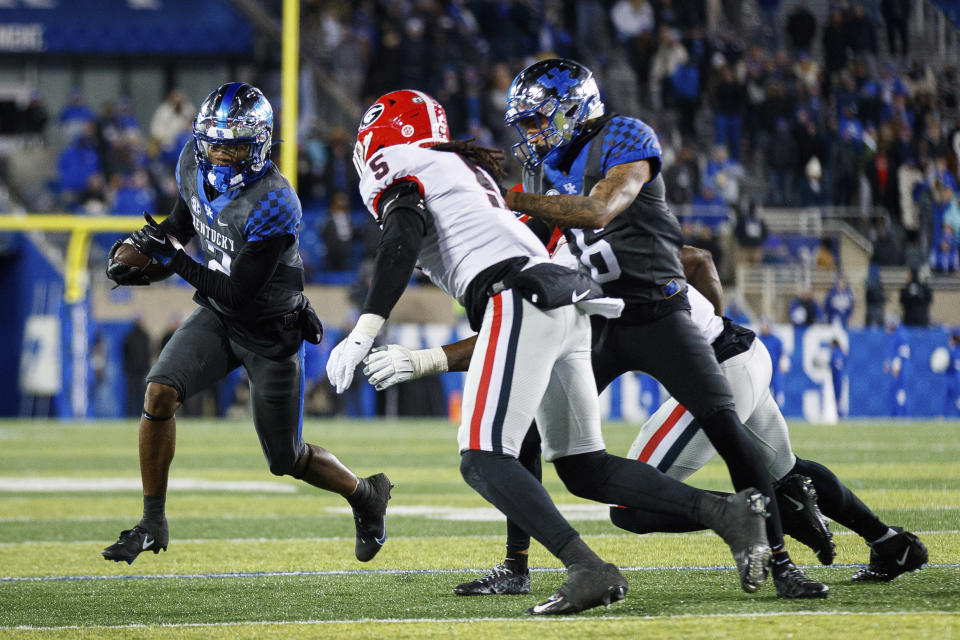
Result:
<point x="76" y="277"/>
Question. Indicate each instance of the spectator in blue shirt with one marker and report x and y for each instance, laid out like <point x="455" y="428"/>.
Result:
<point x="134" y="195"/>
<point x="944" y="257"/>
<point x="897" y="365"/>
<point x="952" y="400"/>
<point x="77" y="163"/>
<point x="838" y="364"/>
<point x="839" y="302"/>
<point x="76" y="116"/>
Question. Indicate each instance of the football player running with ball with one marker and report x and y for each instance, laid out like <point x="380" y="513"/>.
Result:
<point x="438" y="205"/>
<point x="252" y="313"/>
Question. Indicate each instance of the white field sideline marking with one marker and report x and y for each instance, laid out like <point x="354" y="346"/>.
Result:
<point x="36" y="485"/>
<point x="582" y="512"/>
<point x="525" y="619"/>
<point x="239" y="575"/>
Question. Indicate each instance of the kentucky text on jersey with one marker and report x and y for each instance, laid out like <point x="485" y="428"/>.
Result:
<point x="212" y="235"/>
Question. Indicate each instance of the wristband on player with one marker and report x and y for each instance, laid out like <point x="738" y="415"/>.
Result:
<point x="428" y="362"/>
<point x="369" y="324"/>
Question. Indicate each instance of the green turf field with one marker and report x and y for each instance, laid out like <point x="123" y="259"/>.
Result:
<point x="255" y="556"/>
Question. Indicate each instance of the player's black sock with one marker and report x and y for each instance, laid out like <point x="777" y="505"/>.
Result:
<point x="529" y="458"/>
<point x="779" y="562"/>
<point x="516" y="560"/>
<point x="153" y="509"/>
<point x="744" y="463"/>
<point x="606" y="478"/>
<point x="839" y="503"/>
<point x="359" y="497"/>
<point x="503" y="482"/>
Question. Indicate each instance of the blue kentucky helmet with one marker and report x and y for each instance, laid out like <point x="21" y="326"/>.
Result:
<point x="556" y="97"/>
<point x="236" y="114"/>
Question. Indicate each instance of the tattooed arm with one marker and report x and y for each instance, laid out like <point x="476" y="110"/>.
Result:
<point x="608" y="198"/>
<point x="701" y="274"/>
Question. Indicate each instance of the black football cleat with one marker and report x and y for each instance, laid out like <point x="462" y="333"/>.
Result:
<point x="584" y="589"/>
<point x="791" y="582"/>
<point x="801" y="517"/>
<point x="370" y="519"/>
<point x="743" y="527"/>
<point x="894" y="556"/>
<point x="503" y="580"/>
<point x="133" y="542"/>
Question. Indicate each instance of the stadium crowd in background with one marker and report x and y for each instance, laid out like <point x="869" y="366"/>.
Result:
<point x="791" y="110"/>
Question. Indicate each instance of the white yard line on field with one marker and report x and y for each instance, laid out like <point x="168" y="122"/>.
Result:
<point x="261" y="540"/>
<point x="97" y="485"/>
<point x="526" y="620"/>
<point x="582" y="512"/>
<point x="239" y="575"/>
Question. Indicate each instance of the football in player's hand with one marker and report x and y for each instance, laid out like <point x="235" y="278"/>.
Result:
<point x="128" y="255"/>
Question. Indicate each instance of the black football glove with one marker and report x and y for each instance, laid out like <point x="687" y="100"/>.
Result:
<point x="152" y="241"/>
<point x="310" y="326"/>
<point x="124" y="274"/>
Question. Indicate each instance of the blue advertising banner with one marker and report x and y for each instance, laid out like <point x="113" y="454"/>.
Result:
<point x="155" y="27"/>
<point x="868" y="373"/>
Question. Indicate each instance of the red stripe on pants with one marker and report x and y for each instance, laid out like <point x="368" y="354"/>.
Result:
<point x="484" y="388"/>
<point x="661" y="433"/>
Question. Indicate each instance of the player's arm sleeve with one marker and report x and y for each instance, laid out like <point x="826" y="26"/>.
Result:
<point x="404" y="217"/>
<point x="179" y="223"/>
<point x="250" y="271"/>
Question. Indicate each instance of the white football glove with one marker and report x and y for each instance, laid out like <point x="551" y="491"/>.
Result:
<point x="387" y="366"/>
<point x="392" y="364"/>
<point x="347" y="355"/>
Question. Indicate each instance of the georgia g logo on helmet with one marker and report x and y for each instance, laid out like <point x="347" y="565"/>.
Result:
<point x="399" y="117"/>
<point x="371" y="115"/>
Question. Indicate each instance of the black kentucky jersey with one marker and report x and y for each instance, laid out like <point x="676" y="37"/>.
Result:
<point x="637" y="256"/>
<point x="266" y="208"/>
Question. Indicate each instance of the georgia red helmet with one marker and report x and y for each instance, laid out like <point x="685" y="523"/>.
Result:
<point x="399" y="117"/>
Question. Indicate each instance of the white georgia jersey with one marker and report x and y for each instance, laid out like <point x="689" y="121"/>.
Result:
<point x="564" y="257"/>
<point x="704" y="315"/>
<point x="469" y="226"/>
